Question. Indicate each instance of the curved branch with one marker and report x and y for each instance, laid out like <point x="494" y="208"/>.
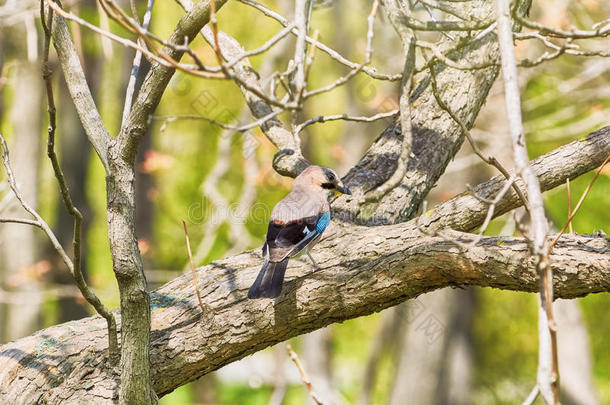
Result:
<point x="288" y="160"/>
<point x="383" y="266"/>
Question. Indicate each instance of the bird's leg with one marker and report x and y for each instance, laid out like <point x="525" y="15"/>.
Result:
<point x="315" y="265"/>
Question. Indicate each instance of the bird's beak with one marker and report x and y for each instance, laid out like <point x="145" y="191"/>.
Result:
<point x="342" y="188"/>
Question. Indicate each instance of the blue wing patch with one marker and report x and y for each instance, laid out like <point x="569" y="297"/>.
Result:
<point x="323" y="222"/>
<point x="288" y="239"/>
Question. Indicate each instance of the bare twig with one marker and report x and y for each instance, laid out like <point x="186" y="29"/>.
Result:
<point x="567" y="159"/>
<point x="304" y="377"/>
<point x="492" y="206"/>
<point x="441" y="56"/>
<point x="263" y="48"/>
<point x="345" y="117"/>
<point x="569" y="204"/>
<point x="236" y="77"/>
<point x="134" y="10"/>
<point x="200" y="70"/>
<point x="440" y="26"/>
<point x="532" y="396"/>
<point x="309" y="59"/>
<point x="602" y="29"/>
<point x="301" y="14"/>
<point x="220" y="39"/>
<point x="105" y="25"/>
<point x="73" y="267"/>
<point x="324" y="48"/>
<point x="45" y="227"/>
<point x="291" y="163"/>
<point x="242" y="128"/>
<point x="215" y="44"/>
<point x="444" y="8"/>
<point x="212" y="36"/>
<point x="548" y="370"/>
<point x="20" y="221"/>
<point x="158" y="56"/>
<point x="367" y="57"/>
<point x="195" y="280"/>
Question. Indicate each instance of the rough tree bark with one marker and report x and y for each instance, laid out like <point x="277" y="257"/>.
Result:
<point x="436" y="136"/>
<point x="384" y="266"/>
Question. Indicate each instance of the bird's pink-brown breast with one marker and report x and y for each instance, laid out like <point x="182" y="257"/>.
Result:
<point x="302" y="202"/>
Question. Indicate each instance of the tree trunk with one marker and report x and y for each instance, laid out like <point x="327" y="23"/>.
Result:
<point x="128" y="269"/>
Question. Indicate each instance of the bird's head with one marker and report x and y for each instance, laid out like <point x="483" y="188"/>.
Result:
<point x="323" y="177"/>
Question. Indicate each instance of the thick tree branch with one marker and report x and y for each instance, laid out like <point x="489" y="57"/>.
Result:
<point x="465" y="212"/>
<point x="382" y="267"/>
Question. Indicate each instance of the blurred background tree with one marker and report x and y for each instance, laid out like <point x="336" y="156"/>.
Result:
<point x="221" y="180"/>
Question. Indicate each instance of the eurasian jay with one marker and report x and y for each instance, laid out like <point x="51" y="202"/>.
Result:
<point x="296" y="224"/>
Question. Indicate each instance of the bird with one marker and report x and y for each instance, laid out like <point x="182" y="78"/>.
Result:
<point x="295" y="226"/>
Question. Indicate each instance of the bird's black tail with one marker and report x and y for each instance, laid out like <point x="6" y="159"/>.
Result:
<point x="268" y="283"/>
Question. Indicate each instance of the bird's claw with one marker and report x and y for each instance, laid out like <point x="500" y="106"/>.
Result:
<point x="315" y="265"/>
